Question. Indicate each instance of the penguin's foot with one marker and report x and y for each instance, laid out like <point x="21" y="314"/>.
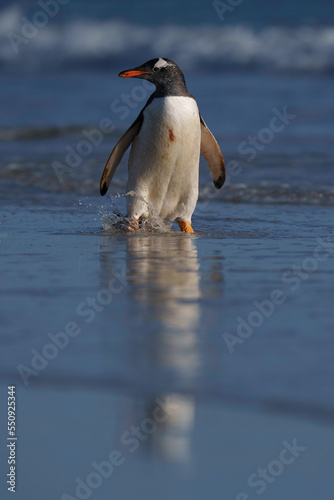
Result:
<point x="185" y="226"/>
<point x="133" y="225"/>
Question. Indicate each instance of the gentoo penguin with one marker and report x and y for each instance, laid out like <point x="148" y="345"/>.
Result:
<point x="166" y="138"/>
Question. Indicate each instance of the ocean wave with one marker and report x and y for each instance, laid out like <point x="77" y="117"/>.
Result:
<point x="48" y="132"/>
<point x="91" y="44"/>
<point x="272" y="194"/>
<point x="84" y="180"/>
<point x="30" y="133"/>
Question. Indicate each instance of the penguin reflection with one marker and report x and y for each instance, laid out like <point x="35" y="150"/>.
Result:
<point x="164" y="281"/>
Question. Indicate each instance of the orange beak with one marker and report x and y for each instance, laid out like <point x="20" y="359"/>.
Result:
<point x="131" y="72"/>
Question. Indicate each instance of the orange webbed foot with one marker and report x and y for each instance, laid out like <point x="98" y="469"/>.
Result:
<point x="185" y="227"/>
<point x="133" y="225"/>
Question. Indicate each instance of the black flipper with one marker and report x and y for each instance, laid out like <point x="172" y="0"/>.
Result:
<point x="118" y="152"/>
<point x="212" y="155"/>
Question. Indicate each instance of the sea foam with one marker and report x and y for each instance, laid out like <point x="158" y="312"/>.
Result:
<point x="89" y="44"/>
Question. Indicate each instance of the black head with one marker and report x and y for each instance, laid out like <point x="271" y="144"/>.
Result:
<point x="163" y="73"/>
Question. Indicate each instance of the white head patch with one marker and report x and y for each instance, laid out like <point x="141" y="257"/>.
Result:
<point x="161" y="63"/>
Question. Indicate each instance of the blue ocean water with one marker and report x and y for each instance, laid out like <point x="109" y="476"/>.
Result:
<point x="161" y="335"/>
<point x="62" y="78"/>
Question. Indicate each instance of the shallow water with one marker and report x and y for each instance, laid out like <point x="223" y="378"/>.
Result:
<point x="160" y="332"/>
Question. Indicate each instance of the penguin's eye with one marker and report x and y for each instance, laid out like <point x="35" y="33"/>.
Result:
<point x="156" y="70"/>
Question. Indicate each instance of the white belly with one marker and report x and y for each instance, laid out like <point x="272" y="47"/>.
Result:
<point x="164" y="160"/>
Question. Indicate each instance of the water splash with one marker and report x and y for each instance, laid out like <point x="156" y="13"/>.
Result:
<point x="114" y="220"/>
